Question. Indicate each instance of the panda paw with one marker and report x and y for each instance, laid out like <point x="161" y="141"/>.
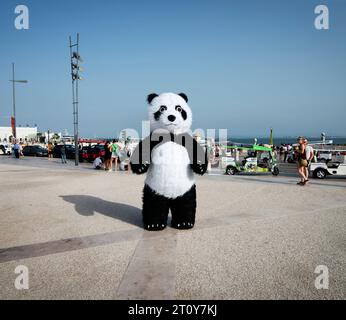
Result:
<point x="182" y="225"/>
<point x="155" y="226"/>
<point x="140" y="168"/>
<point x="199" y="168"/>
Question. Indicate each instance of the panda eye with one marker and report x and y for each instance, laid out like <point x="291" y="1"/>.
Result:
<point x="163" y="108"/>
<point x="179" y="108"/>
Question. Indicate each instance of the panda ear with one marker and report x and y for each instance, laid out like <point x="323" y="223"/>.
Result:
<point x="151" y="96"/>
<point x="184" y="96"/>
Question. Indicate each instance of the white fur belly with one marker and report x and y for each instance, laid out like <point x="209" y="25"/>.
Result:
<point x="169" y="173"/>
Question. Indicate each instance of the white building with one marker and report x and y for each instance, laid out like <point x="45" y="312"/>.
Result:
<point x="23" y="133"/>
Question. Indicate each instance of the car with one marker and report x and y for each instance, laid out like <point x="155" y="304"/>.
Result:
<point x="69" y="151"/>
<point x="92" y="152"/>
<point x="321" y="170"/>
<point x="324" y="156"/>
<point x="35" y="151"/>
<point x="6" y="149"/>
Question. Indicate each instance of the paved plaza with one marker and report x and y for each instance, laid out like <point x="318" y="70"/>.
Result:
<point x="79" y="233"/>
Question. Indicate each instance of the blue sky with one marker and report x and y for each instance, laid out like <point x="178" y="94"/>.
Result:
<point x="245" y="65"/>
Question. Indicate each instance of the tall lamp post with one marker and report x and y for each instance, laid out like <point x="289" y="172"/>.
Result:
<point x="75" y="69"/>
<point x="14" y="81"/>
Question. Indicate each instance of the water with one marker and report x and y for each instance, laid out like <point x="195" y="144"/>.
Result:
<point x="287" y="140"/>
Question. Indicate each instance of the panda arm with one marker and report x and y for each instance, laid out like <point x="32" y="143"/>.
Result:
<point x="197" y="155"/>
<point x="140" y="159"/>
<point x="199" y="164"/>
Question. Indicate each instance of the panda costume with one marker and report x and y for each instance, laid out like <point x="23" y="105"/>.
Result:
<point x="170" y="156"/>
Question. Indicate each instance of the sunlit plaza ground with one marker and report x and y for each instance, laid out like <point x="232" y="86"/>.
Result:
<point x="79" y="233"/>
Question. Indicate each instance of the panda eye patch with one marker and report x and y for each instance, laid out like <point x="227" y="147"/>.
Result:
<point x="163" y="108"/>
<point x="179" y="108"/>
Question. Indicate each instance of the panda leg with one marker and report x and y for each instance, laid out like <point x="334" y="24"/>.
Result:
<point x="155" y="210"/>
<point x="183" y="210"/>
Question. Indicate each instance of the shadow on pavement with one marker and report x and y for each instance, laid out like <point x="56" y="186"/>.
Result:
<point x="87" y="205"/>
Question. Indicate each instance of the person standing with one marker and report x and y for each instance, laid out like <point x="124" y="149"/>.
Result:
<point x="50" y="150"/>
<point x="114" y="149"/>
<point x="16" y="150"/>
<point x="63" y="153"/>
<point x="285" y="150"/>
<point x="108" y="156"/>
<point x="309" y="154"/>
<point x="301" y="161"/>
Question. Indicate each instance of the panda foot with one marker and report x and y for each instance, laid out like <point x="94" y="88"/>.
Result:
<point x="182" y="225"/>
<point x="154" y="226"/>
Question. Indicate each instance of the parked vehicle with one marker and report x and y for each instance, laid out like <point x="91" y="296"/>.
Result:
<point x="69" y="151"/>
<point x="35" y="151"/>
<point x="321" y="170"/>
<point x="324" y="156"/>
<point x="259" y="160"/>
<point x="92" y="152"/>
<point x="6" y="149"/>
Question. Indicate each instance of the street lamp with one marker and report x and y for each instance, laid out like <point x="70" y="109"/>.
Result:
<point x="75" y="69"/>
<point x="14" y="81"/>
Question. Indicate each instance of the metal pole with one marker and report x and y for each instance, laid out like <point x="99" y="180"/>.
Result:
<point x="76" y="110"/>
<point x="75" y="79"/>
<point x="14" y="102"/>
<point x="73" y="103"/>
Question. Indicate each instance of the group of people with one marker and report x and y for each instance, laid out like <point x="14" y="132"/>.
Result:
<point x="283" y="151"/>
<point x="304" y="153"/>
<point x="112" y="154"/>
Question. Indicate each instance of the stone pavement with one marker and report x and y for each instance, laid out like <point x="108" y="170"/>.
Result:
<point x="79" y="233"/>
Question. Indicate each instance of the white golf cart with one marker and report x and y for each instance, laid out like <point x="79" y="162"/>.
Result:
<point x="321" y="170"/>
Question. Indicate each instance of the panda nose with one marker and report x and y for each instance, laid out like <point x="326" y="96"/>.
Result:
<point x="171" y="118"/>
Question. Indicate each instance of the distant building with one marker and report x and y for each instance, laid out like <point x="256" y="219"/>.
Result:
<point x="23" y="133"/>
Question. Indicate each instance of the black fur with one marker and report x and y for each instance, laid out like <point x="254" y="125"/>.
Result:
<point x="171" y="117"/>
<point x="151" y="96"/>
<point x="139" y="168"/>
<point x="158" y="113"/>
<point x="156" y="208"/>
<point x="183" y="112"/>
<point x="184" y="96"/>
<point x="200" y="169"/>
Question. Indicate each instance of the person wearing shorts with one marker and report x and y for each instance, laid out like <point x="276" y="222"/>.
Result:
<point x="302" y="162"/>
<point x="50" y="150"/>
<point x="309" y="154"/>
<point x="114" y="148"/>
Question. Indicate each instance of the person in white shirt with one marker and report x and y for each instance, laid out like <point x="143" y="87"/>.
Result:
<point x="309" y="152"/>
<point x="97" y="164"/>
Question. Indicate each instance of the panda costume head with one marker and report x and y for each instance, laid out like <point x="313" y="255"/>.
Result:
<point x="169" y="111"/>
